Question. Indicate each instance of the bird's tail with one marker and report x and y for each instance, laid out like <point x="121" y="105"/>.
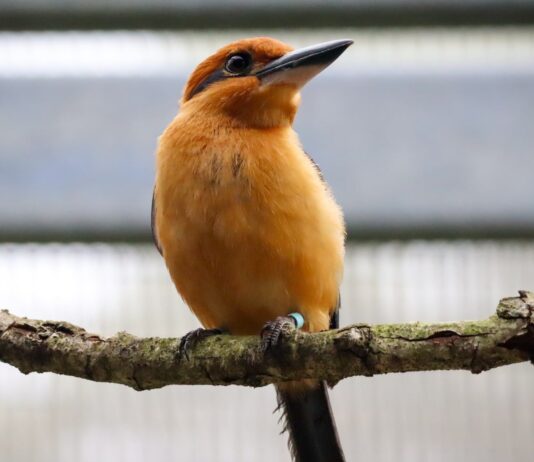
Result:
<point x="310" y="423"/>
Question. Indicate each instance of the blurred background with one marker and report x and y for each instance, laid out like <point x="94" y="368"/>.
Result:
<point x="425" y="131"/>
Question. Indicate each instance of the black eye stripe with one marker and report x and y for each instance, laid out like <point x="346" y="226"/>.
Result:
<point x="221" y="74"/>
<point x="215" y="76"/>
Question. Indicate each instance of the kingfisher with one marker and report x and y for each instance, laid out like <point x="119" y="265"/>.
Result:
<point x="249" y="230"/>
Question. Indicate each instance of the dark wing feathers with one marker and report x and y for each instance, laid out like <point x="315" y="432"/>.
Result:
<point x="316" y="165"/>
<point x="153" y="222"/>
<point x="334" y="317"/>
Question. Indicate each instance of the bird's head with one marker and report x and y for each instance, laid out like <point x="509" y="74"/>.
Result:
<point x="256" y="81"/>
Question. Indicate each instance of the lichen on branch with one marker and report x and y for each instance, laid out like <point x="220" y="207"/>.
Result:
<point x="507" y="337"/>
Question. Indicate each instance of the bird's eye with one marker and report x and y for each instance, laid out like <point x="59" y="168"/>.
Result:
<point x="239" y="63"/>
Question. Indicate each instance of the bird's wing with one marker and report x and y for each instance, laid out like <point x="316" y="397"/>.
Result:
<point x="153" y="222"/>
<point x="334" y="317"/>
<point x="316" y="165"/>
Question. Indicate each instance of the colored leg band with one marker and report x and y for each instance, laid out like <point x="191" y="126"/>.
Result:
<point x="298" y="318"/>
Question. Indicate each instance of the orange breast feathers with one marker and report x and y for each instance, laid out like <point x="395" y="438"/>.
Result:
<point x="247" y="228"/>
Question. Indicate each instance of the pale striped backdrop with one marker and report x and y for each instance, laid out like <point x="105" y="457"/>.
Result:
<point x="411" y="417"/>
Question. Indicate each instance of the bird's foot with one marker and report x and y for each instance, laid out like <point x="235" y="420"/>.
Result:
<point x="273" y="331"/>
<point x="189" y="340"/>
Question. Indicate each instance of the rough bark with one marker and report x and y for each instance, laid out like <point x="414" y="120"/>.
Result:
<point x="146" y="363"/>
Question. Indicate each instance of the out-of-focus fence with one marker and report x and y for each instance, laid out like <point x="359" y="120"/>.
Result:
<point x="417" y="131"/>
<point x="408" y="417"/>
<point x="202" y="14"/>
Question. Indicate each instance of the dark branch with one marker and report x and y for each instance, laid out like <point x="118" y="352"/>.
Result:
<point x="144" y="363"/>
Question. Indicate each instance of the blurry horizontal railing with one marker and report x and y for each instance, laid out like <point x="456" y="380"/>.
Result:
<point x="210" y="14"/>
<point x="420" y="132"/>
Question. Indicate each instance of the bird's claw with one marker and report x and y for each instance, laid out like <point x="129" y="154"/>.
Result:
<point x="273" y="332"/>
<point x="190" y="339"/>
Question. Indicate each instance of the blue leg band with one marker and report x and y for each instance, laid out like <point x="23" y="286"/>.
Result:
<point x="298" y="318"/>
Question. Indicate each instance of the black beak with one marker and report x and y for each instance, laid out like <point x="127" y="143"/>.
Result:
<point x="301" y="65"/>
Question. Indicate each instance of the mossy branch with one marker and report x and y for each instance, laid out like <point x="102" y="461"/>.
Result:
<point x="145" y="363"/>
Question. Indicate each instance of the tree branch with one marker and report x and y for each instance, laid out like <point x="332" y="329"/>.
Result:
<point x="145" y="363"/>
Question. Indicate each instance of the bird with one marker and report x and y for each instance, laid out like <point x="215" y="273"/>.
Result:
<point x="248" y="228"/>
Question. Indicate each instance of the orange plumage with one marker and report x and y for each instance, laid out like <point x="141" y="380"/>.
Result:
<point x="248" y="229"/>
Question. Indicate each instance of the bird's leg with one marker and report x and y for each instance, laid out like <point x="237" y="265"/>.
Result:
<point x="190" y="339"/>
<point x="273" y="331"/>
